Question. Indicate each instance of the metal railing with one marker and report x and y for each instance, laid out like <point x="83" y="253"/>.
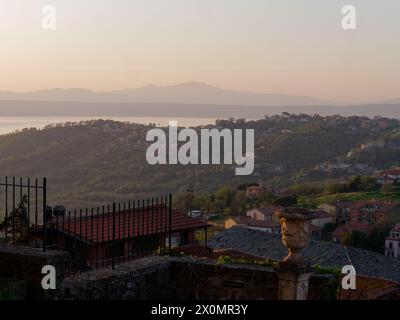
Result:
<point x="107" y="235"/>
<point x="22" y="210"/>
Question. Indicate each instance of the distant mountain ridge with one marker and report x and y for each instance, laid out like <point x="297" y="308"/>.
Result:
<point x="13" y="108"/>
<point x="393" y="101"/>
<point x="184" y="93"/>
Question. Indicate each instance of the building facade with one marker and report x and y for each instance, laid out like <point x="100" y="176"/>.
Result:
<point x="392" y="242"/>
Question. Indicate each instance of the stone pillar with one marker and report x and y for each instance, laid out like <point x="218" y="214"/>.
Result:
<point x="293" y="272"/>
<point x="293" y="281"/>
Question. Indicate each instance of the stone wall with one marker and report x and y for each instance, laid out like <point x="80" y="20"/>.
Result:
<point x="21" y="266"/>
<point x="153" y="278"/>
<point x="11" y="289"/>
<point x="206" y="280"/>
<point x="142" y="279"/>
<point x="183" y="278"/>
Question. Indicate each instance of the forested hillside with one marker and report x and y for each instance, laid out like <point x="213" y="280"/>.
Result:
<point x="90" y="163"/>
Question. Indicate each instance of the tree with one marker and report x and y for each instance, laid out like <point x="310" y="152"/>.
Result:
<point x="354" y="184"/>
<point x="17" y="224"/>
<point x="208" y="205"/>
<point x="327" y="231"/>
<point x="238" y="205"/>
<point x="225" y="195"/>
<point x="334" y="187"/>
<point x="183" y="202"/>
<point x="285" y="201"/>
<point x="387" y="189"/>
<point x="362" y="184"/>
<point x="356" y="239"/>
<point x="374" y="241"/>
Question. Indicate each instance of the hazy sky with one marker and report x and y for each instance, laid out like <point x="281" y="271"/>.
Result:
<point x="278" y="46"/>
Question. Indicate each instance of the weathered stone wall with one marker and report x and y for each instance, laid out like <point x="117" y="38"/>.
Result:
<point x="168" y="278"/>
<point x="11" y="289"/>
<point x="184" y="278"/>
<point x="142" y="279"/>
<point x="204" y="279"/>
<point x="20" y="264"/>
<point x="157" y="277"/>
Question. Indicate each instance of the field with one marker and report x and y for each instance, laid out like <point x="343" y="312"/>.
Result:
<point x="394" y="195"/>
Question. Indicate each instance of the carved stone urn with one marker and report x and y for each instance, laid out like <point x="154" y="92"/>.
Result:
<point x="295" y="229"/>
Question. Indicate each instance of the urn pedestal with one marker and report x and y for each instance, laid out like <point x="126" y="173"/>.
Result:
<point x="293" y="271"/>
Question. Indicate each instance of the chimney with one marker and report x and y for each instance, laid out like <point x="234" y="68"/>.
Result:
<point x="59" y="211"/>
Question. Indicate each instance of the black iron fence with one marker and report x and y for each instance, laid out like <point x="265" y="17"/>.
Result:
<point x="111" y="234"/>
<point x="23" y="210"/>
<point x="95" y="237"/>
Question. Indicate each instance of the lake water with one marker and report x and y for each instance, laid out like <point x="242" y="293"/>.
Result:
<point x="11" y="124"/>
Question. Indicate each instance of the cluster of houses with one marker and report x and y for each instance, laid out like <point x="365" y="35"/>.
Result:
<point x="363" y="216"/>
<point x="389" y="176"/>
<point x="265" y="219"/>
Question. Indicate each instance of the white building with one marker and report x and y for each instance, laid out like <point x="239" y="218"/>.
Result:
<point x="392" y="243"/>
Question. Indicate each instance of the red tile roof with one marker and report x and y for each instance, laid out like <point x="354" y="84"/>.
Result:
<point x="377" y="205"/>
<point x="391" y="172"/>
<point x="360" y="204"/>
<point x="342" y="204"/>
<point x="143" y="222"/>
<point x="321" y="214"/>
<point x="314" y="228"/>
<point x="242" y="219"/>
<point x="249" y="221"/>
<point x="267" y="210"/>
<point x="263" y="224"/>
<point x="396" y="228"/>
<point x="369" y="288"/>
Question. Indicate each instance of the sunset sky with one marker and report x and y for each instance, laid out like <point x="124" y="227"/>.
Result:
<point x="274" y="46"/>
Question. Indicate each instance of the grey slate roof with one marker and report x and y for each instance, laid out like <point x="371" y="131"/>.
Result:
<point x="327" y="254"/>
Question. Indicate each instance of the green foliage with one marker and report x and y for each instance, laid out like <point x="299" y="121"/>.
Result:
<point x="331" y="290"/>
<point x="375" y="241"/>
<point x="318" y="269"/>
<point x="167" y="252"/>
<point x="17" y="223"/>
<point x="286" y="201"/>
<point x="387" y="189"/>
<point x="327" y="231"/>
<point x="94" y="162"/>
<point x="355" y="196"/>
<point x="361" y="184"/>
<point x="224" y="260"/>
<point x="5" y="295"/>
<point x="230" y="260"/>
<point x="355" y="239"/>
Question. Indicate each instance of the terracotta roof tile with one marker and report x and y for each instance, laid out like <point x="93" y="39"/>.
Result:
<point x="128" y="224"/>
<point x="326" y="254"/>
<point x="370" y="288"/>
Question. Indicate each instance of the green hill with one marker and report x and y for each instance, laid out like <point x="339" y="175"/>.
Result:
<point x="94" y="162"/>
